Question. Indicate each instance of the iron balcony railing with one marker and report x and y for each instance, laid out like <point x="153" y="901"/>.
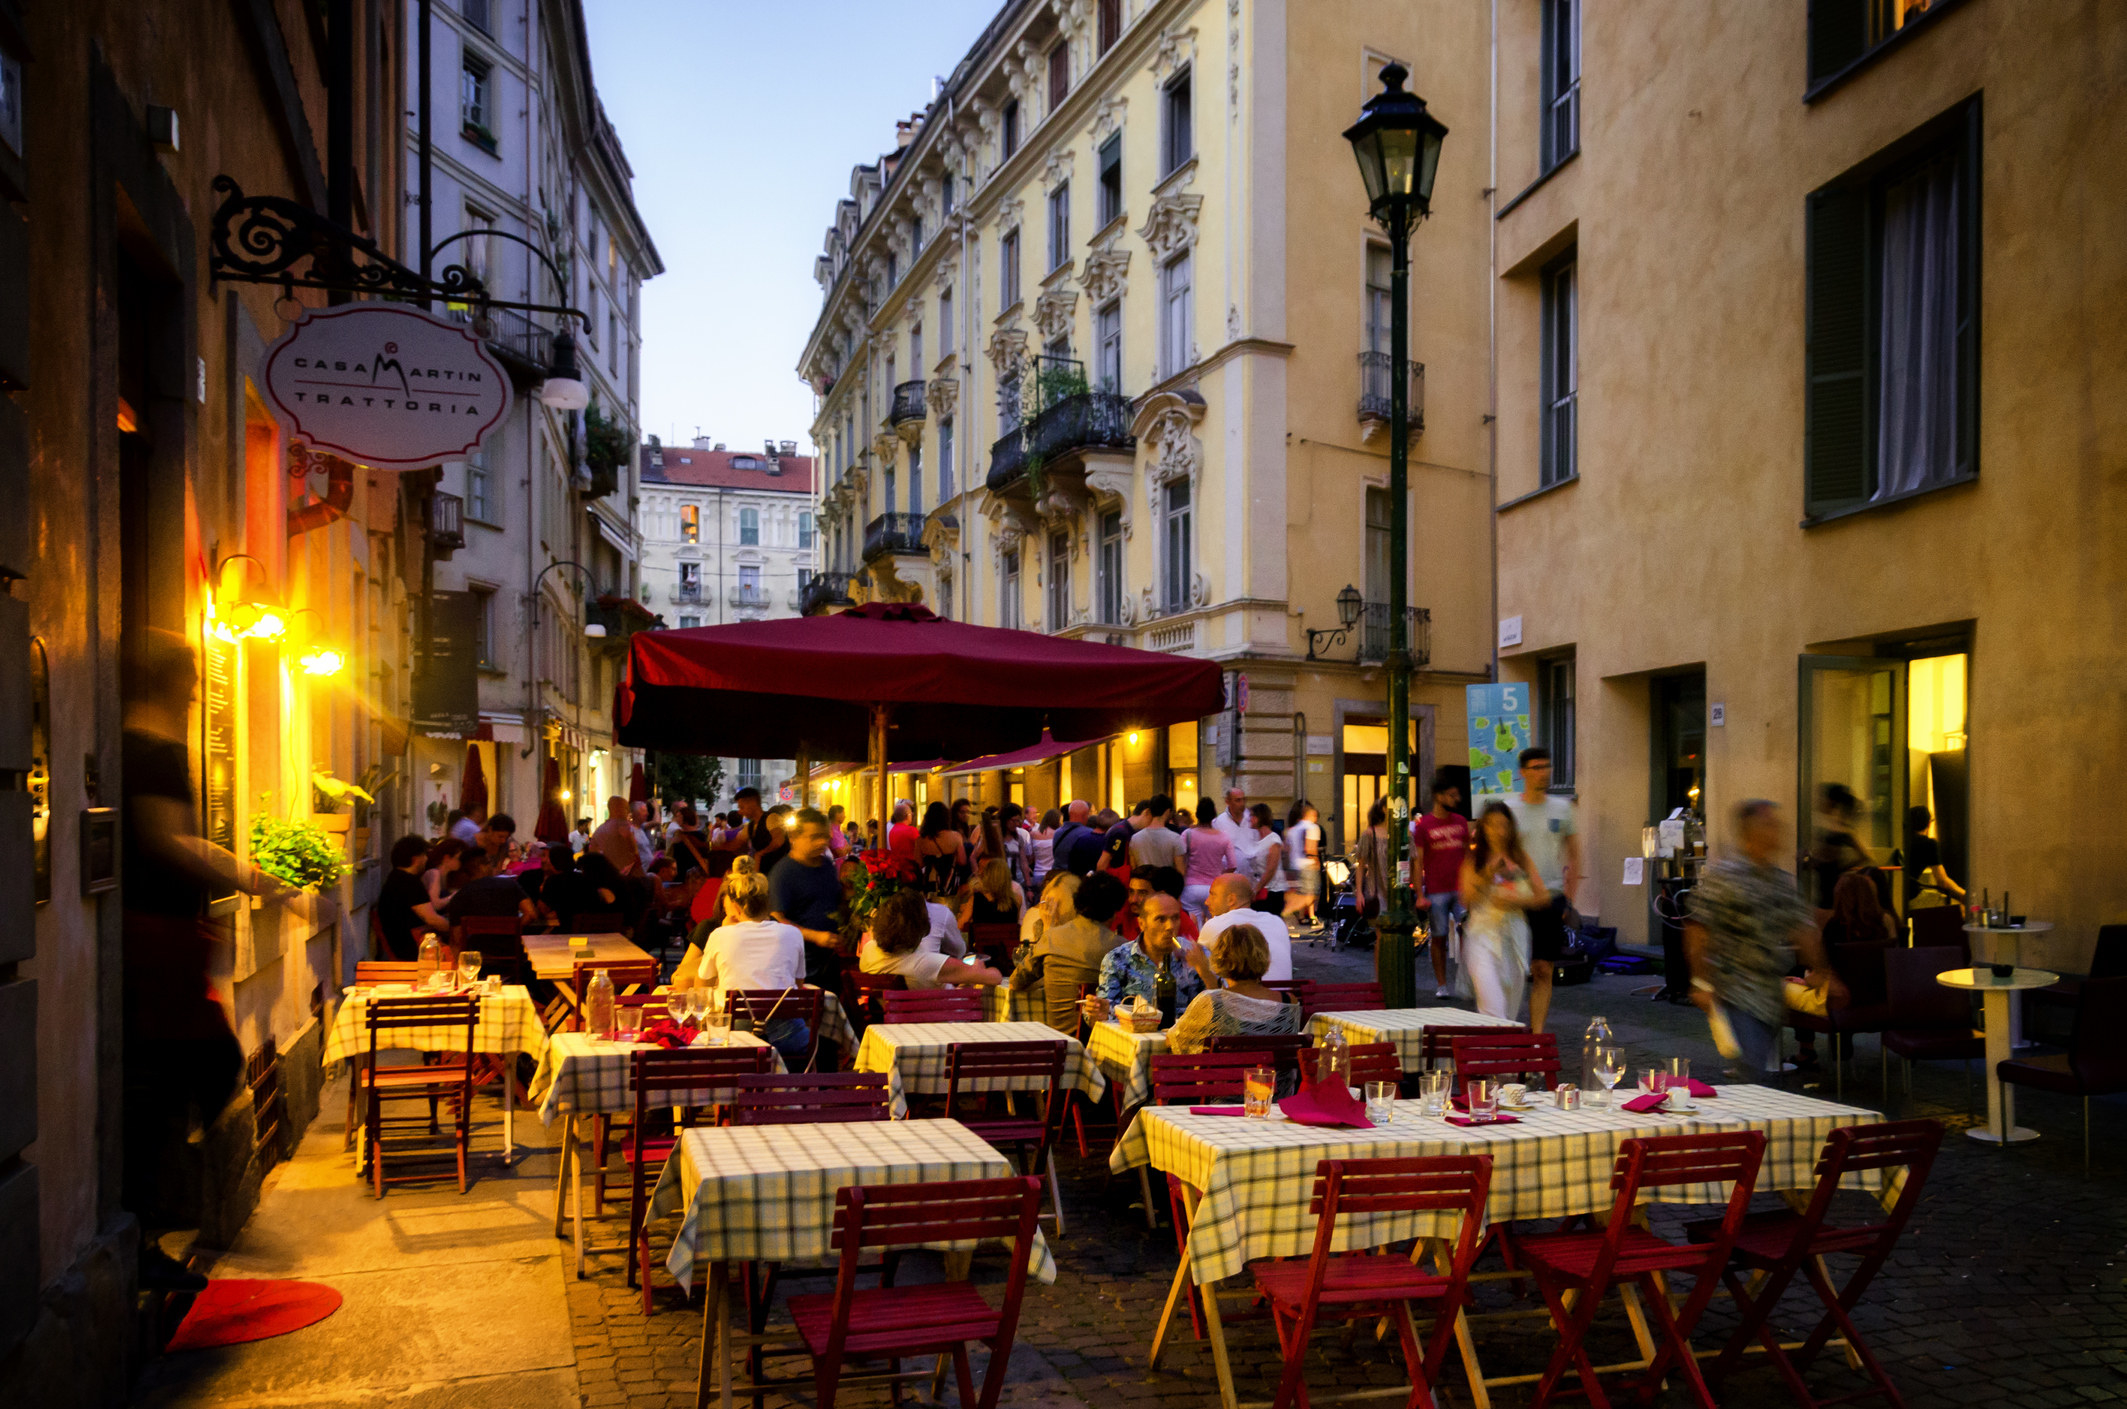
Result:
<point x="893" y="533"/>
<point x="1086" y="420"/>
<point x="824" y="591"/>
<point x="908" y="404"/>
<point x="1374" y="633"/>
<point x="687" y="592"/>
<point x="522" y="342"/>
<point x="1375" y="390"/>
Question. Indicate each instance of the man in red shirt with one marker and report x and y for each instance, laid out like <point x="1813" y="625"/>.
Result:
<point x="1439" y="840"/>
<point x="1146" y="882"/>
<point x="902" y="834"/>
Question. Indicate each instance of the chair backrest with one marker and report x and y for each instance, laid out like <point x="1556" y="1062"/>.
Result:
<point x="1673" y="1161"/>
<point x="1862" y="968"/>
<point x="1286" y="985"/>
<point x="1187" y="1078"/>
<point x="1009" y="1065"/>
<point x="654" y="1072"/>
<point x="810" y="1098"/>
<point x="864" y="991"/>
<point x="1933" y="925"/>
<point x="995" y="940"/>
<point x="1369" y="1188"/>
<point x="655" y="1006"/>
<point x="1371" y="1061"/>
<point x="370" y="971"/>
<point x="441" y="1012"/>
<point x="1499" y="1052"/>
<point x="1282" y="1050"/>
<point x="2109" y="958"/>
<point x="959" y="1210"/>
<point x="478" y="927"/>
<point x="1340" y="998"/>
<point x="1436" y="1045"/>
<point x="625" y="974"/>
<point x="766" y="1005"/>
<point x="934" y="1005"/>
<point x="2098" y="1055"/>
<point x="1910" y="1145"/>
<point x="599" y="922"/>
<point x="1917" y="1000"/>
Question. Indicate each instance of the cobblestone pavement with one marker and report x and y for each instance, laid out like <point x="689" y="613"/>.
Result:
<point x="2009" y="1288"/>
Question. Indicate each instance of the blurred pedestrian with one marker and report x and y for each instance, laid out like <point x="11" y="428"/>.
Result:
<point x="1208" y="854"/>
<point x="1501" y="887"/>
<point x="1550" y="833"/>
<point x="1439" y="841"/>
<point x="1303" y="865"/>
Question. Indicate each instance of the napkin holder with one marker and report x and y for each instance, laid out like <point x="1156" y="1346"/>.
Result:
<point x="1138" y="1018"/>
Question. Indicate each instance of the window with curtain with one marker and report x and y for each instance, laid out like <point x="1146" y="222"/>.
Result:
<point x="1175" y="315"/>
<point x="1893" y="305"/>
<point x="1561" y="81"/>
<point x="749" y="584"/>
<point x="945" y="323"/>
<point x="945" y="459"/>
<point x="1060" y="225"/>
<point x="1109" y="568"/>
<point x="1010" y="128"/>
<point x="1561" y="371"/>
<point x="1008" y="269"/>
<point x="1177" y="547"/>
<point x="1108" y="346"/>
<point x="1380" y="515"/>
<point x="690" y="523"/>
<point x="804" y="528"/>
<point x="1555" y="705"/>
<point x="915" y="349"/>
<point x="1059" y="581"/>
<point x="749" y="526"/>
<point x="915" y="478"/>
<point x="1177" y="140"/>
<point x="1111" y="178"/>
<point x="1059" y="74"/>
<point x="1377" y="297"/>
<point x="480" y="488"/>
<point x="1008" y="589"/>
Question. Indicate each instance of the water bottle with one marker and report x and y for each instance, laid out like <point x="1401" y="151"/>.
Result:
<point x="598" y="1004"/>
<point x="1335" y="1061"/>
<point x="1597" y="1035"/>
<point x="431" y="960"/>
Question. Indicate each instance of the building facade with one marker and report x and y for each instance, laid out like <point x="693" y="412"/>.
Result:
<point x="546" y="552"/>
<point x="1808" y="434"/>
<point x="1103" y="352"/>
<point x="729" y="536"/>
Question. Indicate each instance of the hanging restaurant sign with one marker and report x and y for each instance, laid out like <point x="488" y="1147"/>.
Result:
<point x="386" y="385"/>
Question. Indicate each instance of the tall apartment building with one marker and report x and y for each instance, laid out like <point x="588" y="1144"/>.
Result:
<point x="523" y="156"/>
<point x="1809" y="425"/>
<point x="1103" y="352"/>
<point x="728" y="536"/>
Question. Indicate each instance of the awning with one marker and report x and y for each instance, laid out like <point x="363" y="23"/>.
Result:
<point x="927" y="765"/>
<point x="1042" y="752"/>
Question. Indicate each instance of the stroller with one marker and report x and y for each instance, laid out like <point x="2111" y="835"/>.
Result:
<point x="1342" y="920"/>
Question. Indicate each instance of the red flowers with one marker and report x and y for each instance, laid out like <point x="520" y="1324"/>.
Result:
<point x="890" y="866"/>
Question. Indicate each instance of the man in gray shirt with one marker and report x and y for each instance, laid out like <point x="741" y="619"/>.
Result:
<point x="1549" y="835"/>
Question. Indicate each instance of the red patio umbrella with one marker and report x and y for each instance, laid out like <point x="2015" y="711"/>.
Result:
<point x="553" y="825"/>
<point x="638" y="784"/>
<point x="889" y="681"/>
<point x="472" y="788"/>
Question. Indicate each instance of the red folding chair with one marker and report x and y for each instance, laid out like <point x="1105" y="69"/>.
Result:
<point x="934" y="1005"/>
<point x="1436" y="1045"/>
<point x="1781" y="1242"/>
<point x="1587" y="1263"/>
<point x="995" y="941"/>
<point x="627" y="976"/>
<point x="773" y="1005"/>
<point x="1360" y="1285"/>
<point x="1530" y="1056"/>
<point x="1371" y="1061"/>
<point x="810" y="1098"/>
<point x="717" y="1068"/>
<point x="888" y="1323"/>
<point x="1339" y="998"/>
<point x="1190" y="1079"/>
<point x="446" y="1081"/>
<point x="1280" y="1051"/>
<point x="369" y="972"/>
<point x="862" y="999"/>
<point x="990" y="1069"/>
<point x="663" y="1080"/>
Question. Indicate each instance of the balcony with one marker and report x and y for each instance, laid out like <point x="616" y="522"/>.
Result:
<point x="907" y="416"/>
<point x="1375" y="391"/>
<point x="1071" y="420"/>
<point x="523" y="345"/>
<point x="894" y="534"/>
<point x="825" y="592"/>
<point x="748" y="598"/>
<point x="1368" y="634"/>
<point x="688" y="593"/>
<point x="446" y="524"/>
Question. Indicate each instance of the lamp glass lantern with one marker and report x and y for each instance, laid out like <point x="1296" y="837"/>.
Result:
<point x="563" y="389"/>
<point x="1398" y="145"/>
<point x="1348" y="604"/>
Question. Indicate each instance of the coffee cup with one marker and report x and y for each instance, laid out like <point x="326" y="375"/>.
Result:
<point x="1513" y="1093"/>
<point x="1678" y="1098"/>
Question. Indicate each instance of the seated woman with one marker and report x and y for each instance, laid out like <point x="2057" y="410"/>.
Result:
<point x="1857" y="921"/>
<point x="1234" y="1002"/>
<point x="750" y="950"/>
<point x="895" y="946"/>
<point x="995" y="898"/>
<point x="1073" y="942"/>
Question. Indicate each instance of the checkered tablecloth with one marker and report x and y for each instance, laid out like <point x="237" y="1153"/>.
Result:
<point x="1257" y="1175"/>
<point x="767" y="1192"/>
<point x="1005" y="1006"/>
<point x="1403" y="1026"/>
<point x="508" y="1023"/>
<point x="584" y="1075"/>
<point x="1125" y="1058"/>
<point x="834" y="1025"/>
<point x="913" y="1057"/>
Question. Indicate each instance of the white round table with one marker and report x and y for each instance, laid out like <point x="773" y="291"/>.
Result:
<point x="2002" y="944"/>
<point x="2001" y="1124"/>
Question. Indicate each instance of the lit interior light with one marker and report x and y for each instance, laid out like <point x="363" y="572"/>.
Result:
<point x="322" y="660"/>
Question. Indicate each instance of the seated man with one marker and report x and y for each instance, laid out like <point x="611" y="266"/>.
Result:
<point x="1144" y="884"/>
<point x="1152" y="966"/>
<point x="1228" y="906"/>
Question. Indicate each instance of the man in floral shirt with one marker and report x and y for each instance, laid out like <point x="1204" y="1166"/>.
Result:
<point x="1747" y="921"/>
<point x="1134" y="968"/>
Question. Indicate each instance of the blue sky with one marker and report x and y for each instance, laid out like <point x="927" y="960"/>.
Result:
<point x="742" y="121"/>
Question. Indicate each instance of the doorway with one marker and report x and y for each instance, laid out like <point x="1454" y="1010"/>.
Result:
<point x="1678" y="776"/>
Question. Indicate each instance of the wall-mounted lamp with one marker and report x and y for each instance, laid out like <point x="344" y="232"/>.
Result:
<point x="305" y="633"/>
<point x="240" y="608"/>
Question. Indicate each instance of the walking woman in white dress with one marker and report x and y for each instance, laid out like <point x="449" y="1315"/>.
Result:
<point x="1499" y="886"/>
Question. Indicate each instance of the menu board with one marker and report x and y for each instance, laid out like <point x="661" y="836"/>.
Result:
<point x="1498" y="717"/>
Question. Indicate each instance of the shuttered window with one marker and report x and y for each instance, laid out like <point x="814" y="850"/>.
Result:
<point x="1844" y="32"/>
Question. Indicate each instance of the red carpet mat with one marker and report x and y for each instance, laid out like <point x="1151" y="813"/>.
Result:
<point x="236" y="1309"/>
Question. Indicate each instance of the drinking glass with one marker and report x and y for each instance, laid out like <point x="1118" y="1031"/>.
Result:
<point x="1678" y="1070"/>
<point x="1257" y="1087"/>
<point x="1381" y="1101"/>
<point x="468" y="967"/>
<point x="717" y="1023"/>
<point x="1609" y="1070"/>
<point x="693" y="1005"/>
<point x="1433" y="1091"/>
<point x="629" y="1019"/>
<point x="1483" y="1095"/>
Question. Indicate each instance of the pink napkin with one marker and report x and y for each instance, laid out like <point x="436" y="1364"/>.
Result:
<point x="1326" y="1103"/>
<point x="1218" y="1110"/>
<point x="1454" y="1119"/>
<point x="1701" y="1089"/>
<point x="1650" y="1101"/>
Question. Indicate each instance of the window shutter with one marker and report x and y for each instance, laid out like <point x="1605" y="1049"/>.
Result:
<point x="1835" y="439"/>
<point x="1968" y="210"/>
<point x="1838" y="35"/>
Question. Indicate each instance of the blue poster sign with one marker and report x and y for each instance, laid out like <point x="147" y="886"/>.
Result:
<point x="1499" y="730"/>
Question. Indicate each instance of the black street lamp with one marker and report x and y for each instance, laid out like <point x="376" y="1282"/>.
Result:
<point x="1398" y="145"/>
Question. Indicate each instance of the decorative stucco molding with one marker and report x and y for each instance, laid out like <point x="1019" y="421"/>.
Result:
<point x="1008" y="347"/>
<point x="1176" y="51"/>
<point x="1053" y="313"/>
<point x="943" y="394"/>
<point x="1170" y="227"/>
<point x="1104" y="271"/>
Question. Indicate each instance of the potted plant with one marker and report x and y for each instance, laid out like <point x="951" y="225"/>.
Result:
<point x="304" y="856"/>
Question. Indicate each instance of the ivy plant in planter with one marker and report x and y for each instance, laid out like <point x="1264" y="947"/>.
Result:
<point x="607" y="445"/>
<point x="298" y="853"/>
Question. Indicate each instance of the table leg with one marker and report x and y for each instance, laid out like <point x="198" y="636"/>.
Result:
<point x="1480" y="1392"/>
<point x="509" y="1107"/>
<point x="2001" y="1127"/>
<point x="1217" y="1331"/>
<point x="1175" y="1294"/>
<point x="716" y="1337"/>
<point x="561" y="1176"/>
<point x="576" y="1199"/>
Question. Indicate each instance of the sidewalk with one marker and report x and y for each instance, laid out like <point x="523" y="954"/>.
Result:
<point x="450" y="1300"/>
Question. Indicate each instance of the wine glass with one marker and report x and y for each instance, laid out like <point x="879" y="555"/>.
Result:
<point x="1609" y="1069"/>
<point x="469" y="961"/>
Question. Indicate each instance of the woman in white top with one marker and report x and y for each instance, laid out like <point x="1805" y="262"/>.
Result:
<point x="1044" y="849"/>
<point x="1303" y="863"/>
<point x="895" y="945"/>
<point x="1500" y="886"/>
<point x="749" y="950"/>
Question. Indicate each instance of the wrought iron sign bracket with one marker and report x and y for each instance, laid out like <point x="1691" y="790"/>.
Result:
<point x="1323" y="640"/>
<point x="261" y="240"/>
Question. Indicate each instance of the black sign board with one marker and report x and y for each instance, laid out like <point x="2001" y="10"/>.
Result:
<point x="447" y="693"/>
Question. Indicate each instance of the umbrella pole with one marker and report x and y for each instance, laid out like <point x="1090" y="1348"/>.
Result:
<point x="804" y="777"/>
<point x="880" y="801"/>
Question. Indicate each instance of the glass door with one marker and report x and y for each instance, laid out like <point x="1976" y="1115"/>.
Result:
<point x="1852" y="708"/>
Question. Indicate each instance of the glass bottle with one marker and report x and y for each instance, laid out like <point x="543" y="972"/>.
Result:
<point x="430" y="961"/>
<point x="1163" y="991"/>
<point x="1597" y="1035"/>
<point x="598" y="1004"/>
<point x="1335" y="1061"/>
